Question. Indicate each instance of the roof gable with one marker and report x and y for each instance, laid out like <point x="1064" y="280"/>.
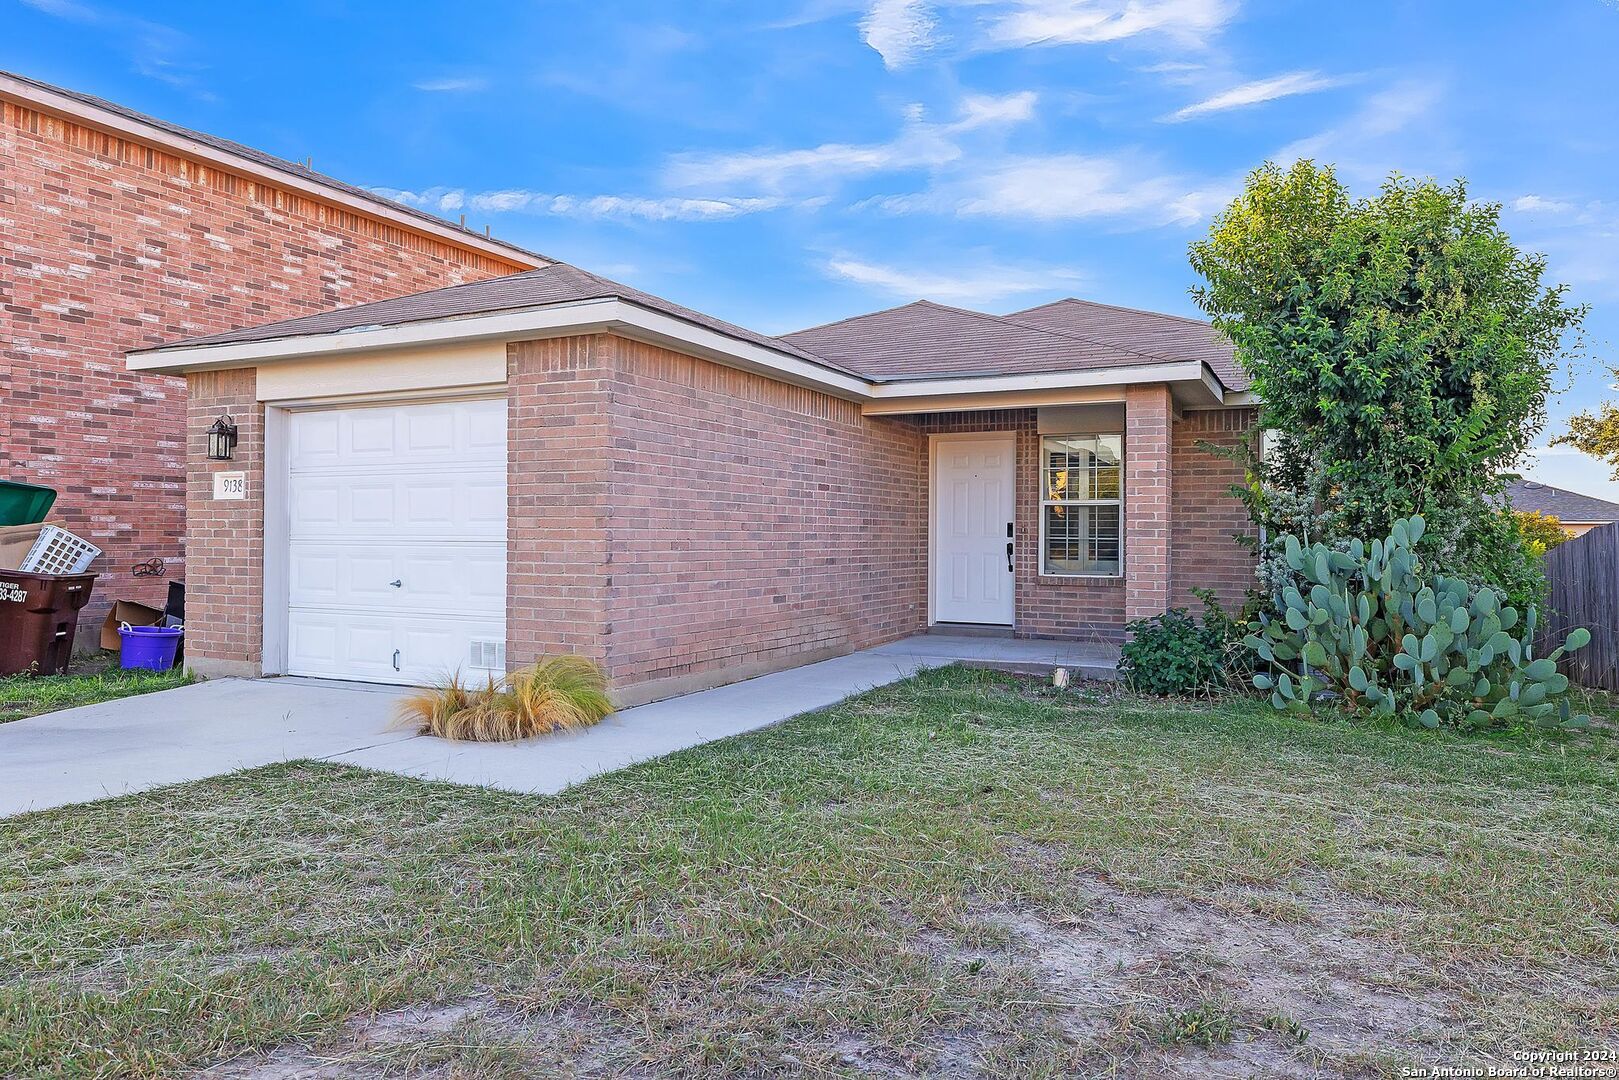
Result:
<point x="1147" y="331"/>
<point x="926" y="340"/>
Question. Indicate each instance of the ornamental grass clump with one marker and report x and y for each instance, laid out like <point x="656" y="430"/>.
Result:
<point x="1393" y="640"/>
<point x="558" y="693"/>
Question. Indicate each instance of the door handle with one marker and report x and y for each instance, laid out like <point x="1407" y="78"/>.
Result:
<point x="1009" y="557"/>
<point x="397" y="583"/>
<point x="396" y="659"/>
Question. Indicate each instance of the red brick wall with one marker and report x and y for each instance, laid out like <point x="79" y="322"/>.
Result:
<point x="675" y="518"/>
<point x="1148" y="483"/>
<point x="225" y="592"/>
<point x="559" y="448"/>
<point x="111" y="245"/>
<point x="1206" y="518"/>
<point x="754" y="523"/>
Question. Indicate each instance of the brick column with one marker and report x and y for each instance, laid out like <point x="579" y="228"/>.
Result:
<point x="559" y="477"/>
<point x="1148" y="415"/>
<point x="224" y="542"/>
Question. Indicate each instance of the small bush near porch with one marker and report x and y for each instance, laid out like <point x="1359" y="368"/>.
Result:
<point x="964" y="872"/>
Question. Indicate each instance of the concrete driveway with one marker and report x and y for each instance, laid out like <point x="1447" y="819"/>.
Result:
<point x="217" y="727"/>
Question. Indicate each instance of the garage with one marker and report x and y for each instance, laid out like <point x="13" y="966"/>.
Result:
<point x="396" y="541"/>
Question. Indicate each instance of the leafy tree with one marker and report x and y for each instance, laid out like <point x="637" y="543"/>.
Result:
<point x="1596" y="433"/>
<point x="1403" y="349"/>
<point x="1540" y="532"/>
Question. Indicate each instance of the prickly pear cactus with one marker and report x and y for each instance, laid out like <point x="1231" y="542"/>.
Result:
<point x="1391" y="639"/>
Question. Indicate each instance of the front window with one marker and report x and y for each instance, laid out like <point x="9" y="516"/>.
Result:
<point x="1081" y="505"/>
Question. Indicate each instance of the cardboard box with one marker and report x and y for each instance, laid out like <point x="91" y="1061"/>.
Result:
<point x="127" y="611"/>
<point x="16" y="541"/>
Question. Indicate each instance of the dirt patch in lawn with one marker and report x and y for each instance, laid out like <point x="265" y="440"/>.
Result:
<point x="1152" y="985"/>
<point x="476" y="1037"/>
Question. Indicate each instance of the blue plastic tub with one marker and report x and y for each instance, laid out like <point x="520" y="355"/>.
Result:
<point x="148" y="647"/>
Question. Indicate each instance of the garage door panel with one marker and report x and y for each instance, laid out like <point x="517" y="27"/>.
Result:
<point x="372" y="503"/>
<point x="430" y="503"/>
<point x="342" y="645"/>
<point x="485" y="499"/>
<point x="414" y="494"/>
<point x="445" y="648"/>
<point x="439" y="433"/>
<point x="469" y="505"/>
<point x="469" y="581"/>
<point x="314" y="576"/>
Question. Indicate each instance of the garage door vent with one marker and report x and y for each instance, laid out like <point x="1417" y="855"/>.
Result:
<point x="488" y="654"/>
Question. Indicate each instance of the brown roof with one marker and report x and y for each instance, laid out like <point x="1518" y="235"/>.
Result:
<point x="920" y="340"/>
<point x="1146" y="331"/>
<point x="558" y="283"/>
<point x="1560" y="503"/>
<point x="924" y="340"/>
<point x="259" y="157"/>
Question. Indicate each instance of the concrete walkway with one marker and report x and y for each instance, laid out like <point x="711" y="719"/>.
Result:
<point x="217" y="727"/>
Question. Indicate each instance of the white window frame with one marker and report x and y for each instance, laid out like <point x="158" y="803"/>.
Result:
<point x="1040" y="477"/>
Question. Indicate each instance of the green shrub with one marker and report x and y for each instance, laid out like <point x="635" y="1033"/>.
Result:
<point x="1392" y="639"/>
<point x="1172" y="654"/>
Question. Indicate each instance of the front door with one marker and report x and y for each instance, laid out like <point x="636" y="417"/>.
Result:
<point x="974" y="498"/>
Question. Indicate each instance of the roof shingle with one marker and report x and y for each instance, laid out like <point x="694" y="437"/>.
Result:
<point x="1146" y="331"/>
<point x="1560" y="503"/>
<point x="925" y="340"/>
<point x="558" y="283"/>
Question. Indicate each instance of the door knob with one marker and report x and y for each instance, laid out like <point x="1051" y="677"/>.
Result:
<point x="1009" y="558"/>
<point x="397" y="583"/>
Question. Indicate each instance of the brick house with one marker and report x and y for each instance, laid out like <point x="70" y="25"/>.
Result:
<point x="123" y="231"/>
<point x="469" y="477"/>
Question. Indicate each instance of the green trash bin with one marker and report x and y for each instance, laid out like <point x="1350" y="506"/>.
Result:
<point x="24" y="504"/>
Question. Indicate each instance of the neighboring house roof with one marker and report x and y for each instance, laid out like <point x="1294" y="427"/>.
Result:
<point x="1569" y="507"/>
<point x="98" y="112"/>
<point x="1143" y="331"/>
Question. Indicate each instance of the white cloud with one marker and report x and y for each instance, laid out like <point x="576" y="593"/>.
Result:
<point x="1530" y="204"/>
<point x="899" y="30"/>
<point x="156" y="51"/>
<point x="985" y="110"/>
<point x="903" y="31"/>
<point x="522" y="200"/>
<point x="1071" y="187"/>
<point x="1360" y="146"/>
<point x="984" y="283"/>
<point x="919" y="144"/>
<point x="451" y="85"/>
<point x="1089" y="22"/>
<point x="1257" y="92"/>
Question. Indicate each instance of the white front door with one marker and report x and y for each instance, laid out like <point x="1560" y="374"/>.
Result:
<point x="974" y="499"/>
<point x="397" y="530"/>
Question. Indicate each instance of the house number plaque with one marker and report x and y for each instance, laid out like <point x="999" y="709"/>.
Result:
<point x="230" y="485"/>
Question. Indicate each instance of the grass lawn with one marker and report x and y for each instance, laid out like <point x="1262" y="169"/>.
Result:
<point x="964" y="873"/>
<point x="86" y="682"/>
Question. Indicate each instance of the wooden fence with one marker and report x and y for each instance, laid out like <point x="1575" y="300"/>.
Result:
<point x="1584" y="578"/>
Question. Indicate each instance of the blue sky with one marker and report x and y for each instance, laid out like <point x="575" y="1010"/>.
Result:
<point x="782" y="165"/>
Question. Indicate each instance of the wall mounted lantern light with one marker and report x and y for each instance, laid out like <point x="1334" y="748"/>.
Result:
<point x="222" y="439"/>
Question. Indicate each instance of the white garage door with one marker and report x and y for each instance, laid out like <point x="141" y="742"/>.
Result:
<point x="397" y="526"/>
